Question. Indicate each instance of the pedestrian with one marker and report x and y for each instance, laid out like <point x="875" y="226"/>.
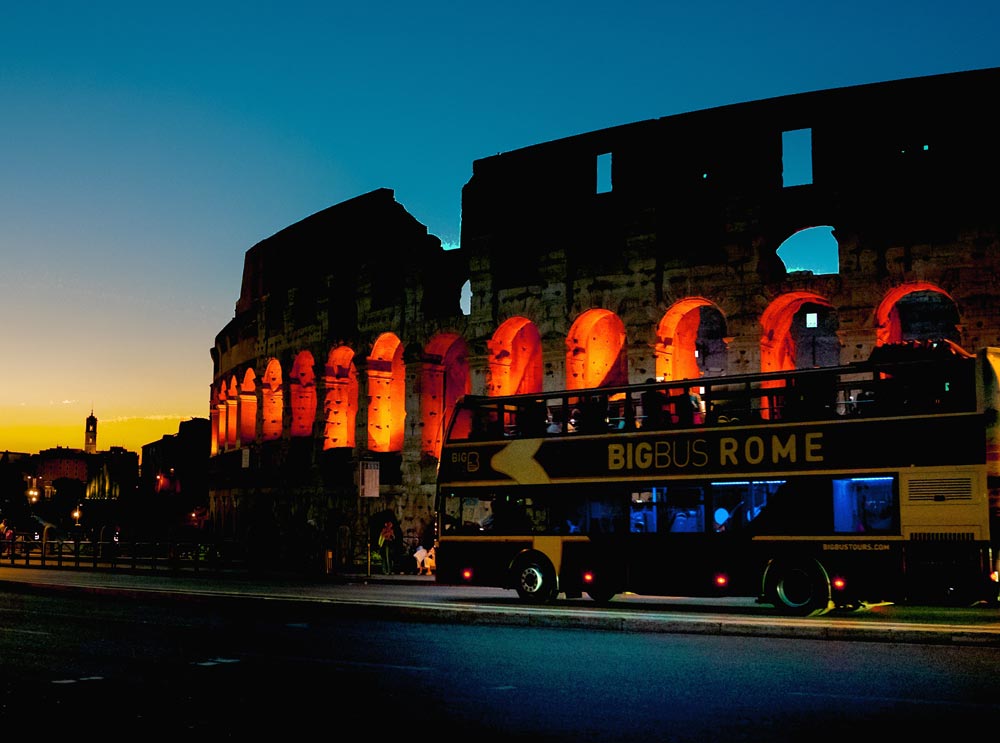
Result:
<point x="386" y="543"/>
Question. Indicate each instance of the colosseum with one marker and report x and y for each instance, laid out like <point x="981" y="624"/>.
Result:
<point x="658" y="248"/>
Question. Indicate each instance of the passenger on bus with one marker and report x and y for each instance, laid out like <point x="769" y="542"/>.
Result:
<point x="653" y="403"/>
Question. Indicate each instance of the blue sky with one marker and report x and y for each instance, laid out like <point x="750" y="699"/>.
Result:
<point x="144" y="147"/>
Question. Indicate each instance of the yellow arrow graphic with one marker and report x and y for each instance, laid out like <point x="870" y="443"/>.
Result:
<point x="517" y="461"/>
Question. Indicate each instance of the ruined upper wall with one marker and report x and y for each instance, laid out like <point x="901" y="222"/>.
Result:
<point x="895" y="156"/>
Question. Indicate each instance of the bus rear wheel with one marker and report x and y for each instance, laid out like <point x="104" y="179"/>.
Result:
<point x="534" y="579"/>
<point x="798" y="587"/>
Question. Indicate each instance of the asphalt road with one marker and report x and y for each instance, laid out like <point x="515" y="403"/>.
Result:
<point x="420" y="598"/>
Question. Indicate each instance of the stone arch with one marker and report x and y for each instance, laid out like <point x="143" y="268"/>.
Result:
<point x="340" y="405"/>
<point x="690" y="340"/>
<point x="386" y="395"/>
<point x="515" y="361"/>
<point x="232" y="412"/>
<point x="445" y="378"/>
<point x="895" y="316"/>
<point x="272" y="401"/>
<point x="785" y="341"/>
<point x="596" y="352"/>
<point x="248" y="407"/>
<point x="302" y="394"/>
<point x="216" y="410"/>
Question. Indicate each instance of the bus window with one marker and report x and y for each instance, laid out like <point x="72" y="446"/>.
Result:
<point x="863" y="505"/>
<point x="683" y="509"/>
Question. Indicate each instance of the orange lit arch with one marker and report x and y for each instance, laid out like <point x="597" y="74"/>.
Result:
<point x="248" y="408"/>
<point x="302" y="393"/>
<point x="272" y="402"/>
<point x="386" y="395"/>
<point x="445" y="379"/>
<point x="777" y="346"/>
<point x="340" y="406"/>
<point x="887" y="325"/>
<point x="596" y="351"/>
<point x="232" y="420"/>
<point x="515" y="363"/>
<point x="676" y="338"/>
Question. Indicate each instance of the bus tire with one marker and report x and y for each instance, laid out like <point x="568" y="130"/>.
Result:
<point x="798" y="587"/>
<point x="601" y="595"/>
<point x="534" y="579"/>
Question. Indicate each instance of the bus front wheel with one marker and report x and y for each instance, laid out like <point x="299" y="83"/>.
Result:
<point x="798" y="587"/>
<point x="534" y="579"/>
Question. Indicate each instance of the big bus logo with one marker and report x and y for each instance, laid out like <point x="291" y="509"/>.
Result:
<point x="468" y="460"/>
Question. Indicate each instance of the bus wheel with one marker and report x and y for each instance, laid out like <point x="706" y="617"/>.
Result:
<point x="799" y="587"/>
<point x="535" y="579"/>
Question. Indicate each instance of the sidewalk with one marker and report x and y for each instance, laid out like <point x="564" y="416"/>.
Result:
<point x="405" y="597"/>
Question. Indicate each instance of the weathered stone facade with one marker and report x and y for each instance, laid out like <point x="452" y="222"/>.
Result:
<point x="672" y="271"/>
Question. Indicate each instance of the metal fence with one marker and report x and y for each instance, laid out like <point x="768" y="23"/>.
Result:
<point x="24" y="551"/>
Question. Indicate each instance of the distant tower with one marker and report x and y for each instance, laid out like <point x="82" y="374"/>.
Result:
<point x="90" y="442"/>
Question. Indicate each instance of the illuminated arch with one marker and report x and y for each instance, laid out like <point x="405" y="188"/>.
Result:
<point x="248" y="408"/>
<point x="596" y="351"/>
<point x="778" y="348"/>
<point x="302" y="394"/>
<point x="386" y="395"/>
<point x="681" y="350"/>
<point x="445" y="378"/>
<point x="340" y="406"/>
<point x="217" y="406"/>
<point x="515" y="363"/>
<point x="272" y="402"/>
<point x="232" y="406"/>
<point x="889" y="326"/>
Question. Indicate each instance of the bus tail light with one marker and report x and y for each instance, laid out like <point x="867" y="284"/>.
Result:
<point x="467" y="574"/>
<point x="721" y="580"/>
<point x="588" y="577"/>
<point x="838" y="584"/>
<point x="995" y="576"/>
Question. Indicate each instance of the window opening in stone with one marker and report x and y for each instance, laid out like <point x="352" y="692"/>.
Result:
<point x="465" y="303"/>
<point x="604" y="173"/>
<point x="272" y="402"/>
<point x="796" y="157"/>
<point x="811" y="250"/>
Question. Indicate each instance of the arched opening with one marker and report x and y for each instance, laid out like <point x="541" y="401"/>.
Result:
<point x="340" y="405"/>
<point x="302" y="393"/>
<point x="515" y="364"/>
<point x="232" y="412"/>
<point x="248" y="408"/>
<point x="917" y="311"/>
<point x="691" y="340"/>
<point x="465" y="302"/>
<point x="272" y="402"/>
<point x="596" y="351"/>
<point x="386" y="395"/>
<point x="813" y="249"/>
<point x="444" y="380"/>
<point x="799" y="330"/>
<point x="215" y="419"/>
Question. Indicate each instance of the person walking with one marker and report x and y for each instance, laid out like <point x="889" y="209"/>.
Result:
<point x="386" y="543"/>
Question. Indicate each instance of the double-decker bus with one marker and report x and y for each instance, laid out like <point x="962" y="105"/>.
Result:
<point x="806" y="489"/>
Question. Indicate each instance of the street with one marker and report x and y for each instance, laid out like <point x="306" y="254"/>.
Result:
<point x="222" y="667"/>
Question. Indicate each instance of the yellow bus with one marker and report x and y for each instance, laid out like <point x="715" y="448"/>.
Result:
<point x="807" y="489"/>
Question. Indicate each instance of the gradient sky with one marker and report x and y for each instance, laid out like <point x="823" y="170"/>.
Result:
<point x="145" y="147"/>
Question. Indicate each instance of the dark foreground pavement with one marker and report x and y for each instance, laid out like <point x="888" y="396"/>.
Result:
<point x="420" y="598"/>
